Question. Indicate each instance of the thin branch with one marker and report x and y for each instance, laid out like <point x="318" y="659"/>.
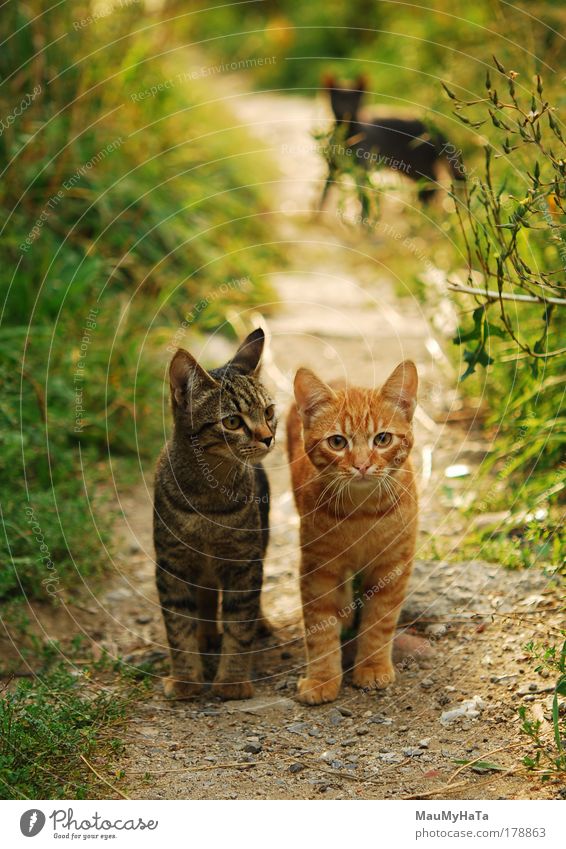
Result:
<point x="506" y="296"/>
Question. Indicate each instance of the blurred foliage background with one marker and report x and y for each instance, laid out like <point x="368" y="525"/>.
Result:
<point x="127" y="198"/>
<point x="123" y="205"/>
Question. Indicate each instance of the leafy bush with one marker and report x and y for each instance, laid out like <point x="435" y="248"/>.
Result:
<point x="128" y="202"/>
<point x="46" y="725"/>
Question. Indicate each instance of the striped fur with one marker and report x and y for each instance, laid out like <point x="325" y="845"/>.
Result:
<point x="355" y="492"/>
<point x="211" y="518"/>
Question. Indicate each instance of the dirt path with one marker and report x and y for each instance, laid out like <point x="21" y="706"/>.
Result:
<point x="464" y="623"/>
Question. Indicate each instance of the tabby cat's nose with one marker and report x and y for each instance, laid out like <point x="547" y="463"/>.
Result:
<point x="267" y="441"/>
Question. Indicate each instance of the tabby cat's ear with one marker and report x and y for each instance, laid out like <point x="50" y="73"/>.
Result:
<point x="401" y="386"/>
<point x="311" y="393"/>
<point x="187" y="377"/>
<point x="247" y="358"/>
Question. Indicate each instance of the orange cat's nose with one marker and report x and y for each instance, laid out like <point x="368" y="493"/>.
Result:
<point x="362" y="468"/>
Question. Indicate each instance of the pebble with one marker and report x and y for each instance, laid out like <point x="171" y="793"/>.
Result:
<point x="427" y="683"/>
<point x="471" y="708"/>
<point x="351" y="741"/>
<point x="390" y="757"/>
<point x="297" y="728"/>
<point x="362" y="730"/>
<point x="424" y="743"/>
<point x="378" y="719"/>
<point x="344" y="710"/>
<point x="335" y="716"/>
<point x="336" y="764"/>
<point x="435" y="630"/>
<point x="314" y="732"/>
<point x="296" y="767"/>
<point x="252" y="748"/>
<point x="412" y="753"/>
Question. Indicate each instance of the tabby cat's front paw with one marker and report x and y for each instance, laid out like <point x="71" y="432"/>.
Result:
<point x="233" y="689"/>
<point x="175" y="689"/>
<point x="311" y="691"/>
<point x="373" y="676"/>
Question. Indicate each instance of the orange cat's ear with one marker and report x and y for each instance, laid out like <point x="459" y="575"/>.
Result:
<point x="186" y="376"/>
<point x="401" y="386"/>
<point x="311" y="392"/>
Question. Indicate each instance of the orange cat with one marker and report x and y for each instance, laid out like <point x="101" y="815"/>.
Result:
<point x="355" y="492"/>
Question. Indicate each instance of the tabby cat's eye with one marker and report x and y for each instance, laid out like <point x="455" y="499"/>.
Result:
<point x="232" y="422"/>
<point x="270" y="412"/>
<point x="337" y="442"/>
<point x="383" y="439"/>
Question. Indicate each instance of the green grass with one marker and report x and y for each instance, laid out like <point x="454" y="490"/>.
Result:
<point x="152" y="209"/>
<point x="49" y="724"/>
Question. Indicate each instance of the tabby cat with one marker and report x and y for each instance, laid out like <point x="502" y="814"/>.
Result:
<point x="355" y="492"/>
<point x="211" y="518"/>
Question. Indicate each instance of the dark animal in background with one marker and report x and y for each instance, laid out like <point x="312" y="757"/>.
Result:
<point x="403" y="145"/>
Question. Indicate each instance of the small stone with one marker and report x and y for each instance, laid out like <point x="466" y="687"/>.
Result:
<point x="362" y="731"/>
<point x="412" y="753"/>
<point x="379" y="719"/>
<point x="427" y="683"/>
<point x="424" y="743"/>
<point x="252" y="748"/>
<point x="297" y="767"/>
<point x="436" y="630"/>
<point x="529" y="698"/>
<point x="344" y="710"/>
<point x="297" y="728"/>
<point x="351" y="741"/>
<point x="314" y="732"/>
<point x="336" y="764"/>
<point x="335" y="716"/>
<point x="331" y="740"/>
<point x="390" y="757"/>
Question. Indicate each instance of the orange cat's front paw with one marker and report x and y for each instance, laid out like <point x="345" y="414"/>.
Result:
<point x="175" y="689"/>
<point x="233" y="689"/>
<point x="373" y="676"/>
<point x="311" y="691"/>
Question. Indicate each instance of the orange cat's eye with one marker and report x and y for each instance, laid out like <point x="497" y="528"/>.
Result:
<point x="232" y="422"/>
<point x="337" y="442"/>
<point x="383" y="439"/>
<point x="270" y="412"/>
